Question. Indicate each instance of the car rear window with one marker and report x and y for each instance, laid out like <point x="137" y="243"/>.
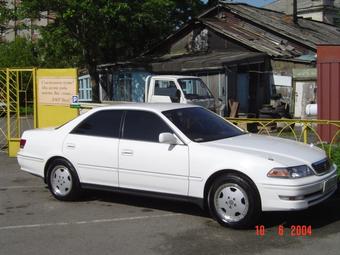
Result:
<point x="104" y="123"/>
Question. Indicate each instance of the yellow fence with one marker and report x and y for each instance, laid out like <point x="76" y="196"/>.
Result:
<point x="296" y="129"/>
<point x="16" y="98"/>
<point x="31" y="98"/>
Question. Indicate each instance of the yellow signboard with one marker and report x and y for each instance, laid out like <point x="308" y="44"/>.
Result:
<point x="55" y="88"/>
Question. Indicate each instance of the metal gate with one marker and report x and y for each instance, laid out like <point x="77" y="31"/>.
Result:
<point x="17" y="106"/>
<point x="328" y="99"/>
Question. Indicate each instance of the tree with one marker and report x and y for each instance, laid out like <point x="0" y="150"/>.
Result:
<point x="77" y="25"/>
<point x="5" y="15"/>
<point x="18" y="54"/>
<point x="90" y="32"/>
<point x="55" y="50"/>
<point x="9" y="13"/>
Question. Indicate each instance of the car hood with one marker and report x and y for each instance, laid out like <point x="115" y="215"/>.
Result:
<point x="283" y="151"/>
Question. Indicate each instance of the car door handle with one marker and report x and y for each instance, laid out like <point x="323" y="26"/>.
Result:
<point x="127" y="152"/>
<point x="71" y="145"/>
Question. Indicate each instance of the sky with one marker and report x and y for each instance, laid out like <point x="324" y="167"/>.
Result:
<point x="258" y="3"/>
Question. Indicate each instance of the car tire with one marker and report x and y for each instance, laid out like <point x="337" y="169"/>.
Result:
<point x="63" y="181"/>
<point x="234" y="201"/>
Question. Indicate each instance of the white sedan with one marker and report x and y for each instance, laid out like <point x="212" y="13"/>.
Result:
<point x="181" y="152"/>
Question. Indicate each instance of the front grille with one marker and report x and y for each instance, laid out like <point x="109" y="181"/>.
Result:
<point x="322" y="166"/>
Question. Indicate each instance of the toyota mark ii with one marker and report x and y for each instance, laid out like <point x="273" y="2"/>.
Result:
<point x="180" y="152"/>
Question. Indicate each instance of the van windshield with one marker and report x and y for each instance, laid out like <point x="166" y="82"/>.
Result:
<point x="194" y="88"/>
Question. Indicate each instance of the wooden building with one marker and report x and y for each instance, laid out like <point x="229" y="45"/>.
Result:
<point x="242" y="52"/>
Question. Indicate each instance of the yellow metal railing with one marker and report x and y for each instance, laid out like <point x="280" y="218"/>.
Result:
<point x="16" y="87"/>
<point x="297" y="129"/>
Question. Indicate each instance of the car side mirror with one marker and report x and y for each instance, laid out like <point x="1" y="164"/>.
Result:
<point x="167" y="138"/>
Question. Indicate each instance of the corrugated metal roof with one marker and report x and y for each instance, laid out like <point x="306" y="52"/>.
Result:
<point x="213" y="60"/>
<point x="261" y="30"/>
<point x="253" y="37"/>
<point x="307" y="32"/>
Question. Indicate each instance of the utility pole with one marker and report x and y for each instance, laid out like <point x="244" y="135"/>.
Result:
<point x="15" y="20"/>
<point x="295" y="18"/>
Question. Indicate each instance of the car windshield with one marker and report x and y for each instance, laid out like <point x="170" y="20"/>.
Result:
<point x="201" y="125"/>
<point x="194" y="88"/>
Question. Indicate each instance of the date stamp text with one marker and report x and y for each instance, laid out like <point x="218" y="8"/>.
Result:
<point x="294" y="230"/>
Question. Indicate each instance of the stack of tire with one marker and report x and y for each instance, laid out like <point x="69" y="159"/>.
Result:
<point x="269" y="112"/>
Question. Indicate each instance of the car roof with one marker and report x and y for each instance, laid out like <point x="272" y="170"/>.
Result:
<point x="174" y="76"/>
<point x="156" y="107"/>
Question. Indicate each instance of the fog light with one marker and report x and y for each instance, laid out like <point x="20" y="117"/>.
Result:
<point x="292" y="198"/>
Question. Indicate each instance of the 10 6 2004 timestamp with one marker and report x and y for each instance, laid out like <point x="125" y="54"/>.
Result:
<point x="294" y="230"/>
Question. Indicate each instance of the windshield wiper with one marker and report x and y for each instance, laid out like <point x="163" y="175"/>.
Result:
<point x="192" y="96"/>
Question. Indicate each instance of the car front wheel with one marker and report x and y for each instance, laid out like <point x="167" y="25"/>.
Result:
<point x="234" y="202"/>
<point x="63" y="181"/>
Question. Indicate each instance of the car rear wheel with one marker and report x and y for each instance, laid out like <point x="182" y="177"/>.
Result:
<point x="234" y="202"/>
<point x="63" y="181"/>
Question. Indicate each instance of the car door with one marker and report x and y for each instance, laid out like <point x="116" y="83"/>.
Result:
<point x="93" y="147"/>
<point x="146" y="164"/>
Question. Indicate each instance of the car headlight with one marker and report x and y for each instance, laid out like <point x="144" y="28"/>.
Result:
<point x="291" y="172"/>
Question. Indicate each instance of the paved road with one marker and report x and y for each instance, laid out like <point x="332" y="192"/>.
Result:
<point x="32" y="222"/>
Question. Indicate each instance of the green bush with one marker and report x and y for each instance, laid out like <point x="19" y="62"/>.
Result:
<point x="26" y="110"/>
<point x="335" y="154"/>
<point x="17" y="54"/>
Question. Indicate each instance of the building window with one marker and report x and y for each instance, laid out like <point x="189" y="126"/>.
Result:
<point x="85" y="88"/>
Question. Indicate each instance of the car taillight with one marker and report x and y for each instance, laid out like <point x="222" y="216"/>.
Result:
<point x="22" y="143"/>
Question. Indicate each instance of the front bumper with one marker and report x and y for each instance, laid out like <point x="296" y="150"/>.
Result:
<point x="298" y="197"/>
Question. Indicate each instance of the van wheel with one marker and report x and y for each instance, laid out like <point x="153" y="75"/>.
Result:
<point x="233" y="202"/>
<point x="63" y="181"/>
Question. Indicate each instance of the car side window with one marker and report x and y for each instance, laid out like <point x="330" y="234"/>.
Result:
<point x="104" y="123"/>
<point x="144" y="126"/>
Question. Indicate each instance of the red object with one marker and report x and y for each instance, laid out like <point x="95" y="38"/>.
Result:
<point x="328" y="88"/>
<point x="22" y="143"/>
